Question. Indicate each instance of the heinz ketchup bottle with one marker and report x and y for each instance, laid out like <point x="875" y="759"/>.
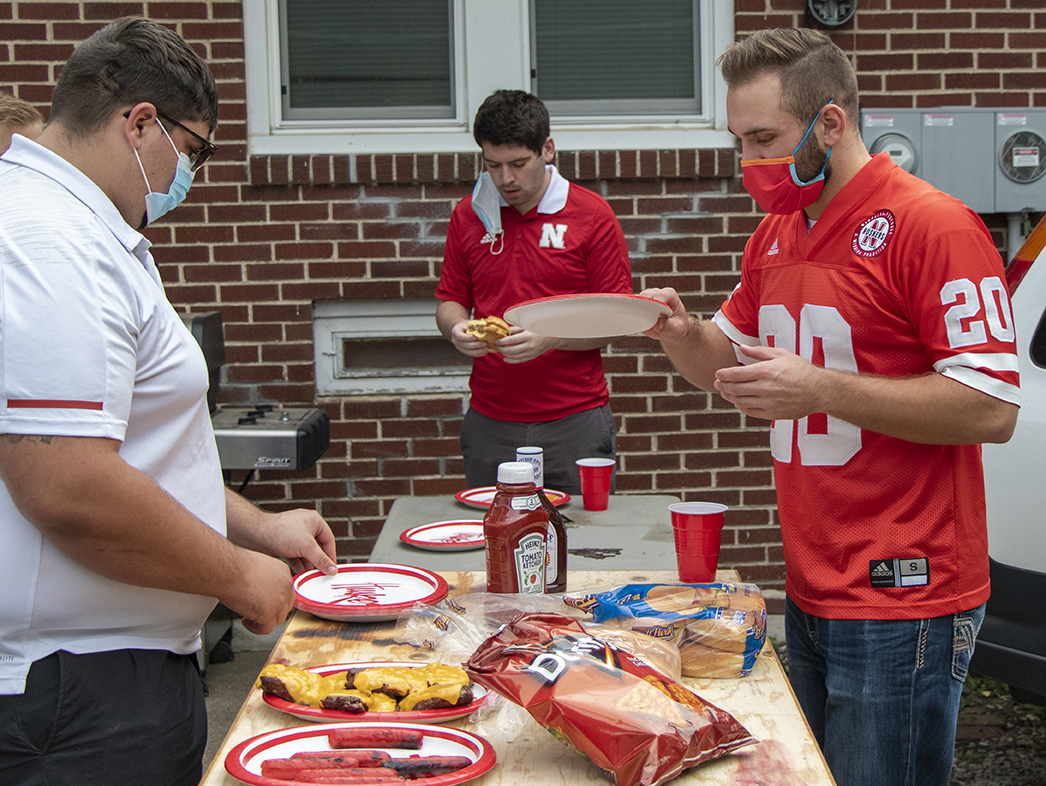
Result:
<point x="556" y="544"/>
<point x="515" y="528"/>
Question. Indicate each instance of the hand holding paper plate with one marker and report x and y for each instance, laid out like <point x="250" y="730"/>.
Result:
<point x="587" y="316"/>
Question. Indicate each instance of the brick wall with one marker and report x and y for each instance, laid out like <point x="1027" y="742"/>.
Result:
<point x="262" y="238"/>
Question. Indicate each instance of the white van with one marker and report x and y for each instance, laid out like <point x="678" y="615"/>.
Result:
<point x="1012" y="644"/>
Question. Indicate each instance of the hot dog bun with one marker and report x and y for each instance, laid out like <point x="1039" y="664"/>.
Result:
<point x="490" y="329"/>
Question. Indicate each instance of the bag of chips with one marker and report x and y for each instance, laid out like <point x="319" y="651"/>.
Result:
<point x="639" y="727"/>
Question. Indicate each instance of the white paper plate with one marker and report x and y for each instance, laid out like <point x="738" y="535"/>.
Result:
<point x="587" y="316"/>
<point x="457" y="535"/>
<point x="319" y="714"/>
<point x="244" y="761"/>
<point x="482" y="497"/>
<point x="366" y="592"/>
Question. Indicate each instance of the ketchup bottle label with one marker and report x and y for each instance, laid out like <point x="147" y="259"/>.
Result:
<point x="530" y="564"/>
<point x="525" y="503"/>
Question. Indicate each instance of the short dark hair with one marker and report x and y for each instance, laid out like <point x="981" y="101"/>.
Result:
<point x="512" y="117"/>
<point x="813" y="70"/>
<point x="17" y="113"/>
<point x="128" y="61"/>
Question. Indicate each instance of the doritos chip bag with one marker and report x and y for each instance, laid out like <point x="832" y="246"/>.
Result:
<point x="639" y="727"/>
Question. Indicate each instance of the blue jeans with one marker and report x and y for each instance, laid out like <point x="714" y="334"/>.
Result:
<point x="882" y="696"/>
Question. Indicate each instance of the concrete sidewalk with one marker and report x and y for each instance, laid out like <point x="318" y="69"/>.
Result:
<point x="229" y="683"/>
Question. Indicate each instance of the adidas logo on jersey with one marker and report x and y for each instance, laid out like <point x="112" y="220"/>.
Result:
<point x="773" y="249"/>
<point x="908" y="572"/>
<point x="883" y="569"/>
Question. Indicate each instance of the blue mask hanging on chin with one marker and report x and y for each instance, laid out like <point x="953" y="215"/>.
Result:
<point x="157" y="203"/>
<point x="486" y="203"/>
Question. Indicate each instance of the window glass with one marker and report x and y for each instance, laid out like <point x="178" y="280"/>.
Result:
<point x="615" y="56"/>
<point x="361" y="59"/>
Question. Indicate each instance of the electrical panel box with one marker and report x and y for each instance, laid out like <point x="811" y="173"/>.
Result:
<point x="992" y="159"/>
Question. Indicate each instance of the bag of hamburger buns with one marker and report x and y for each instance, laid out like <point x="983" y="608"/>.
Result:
<point x="638" y="726"/>
<point x="720" y="629"/>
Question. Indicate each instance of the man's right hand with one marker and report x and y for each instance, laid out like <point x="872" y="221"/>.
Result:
<point x="676" y="325"/>
<point x="466" y="343"/>
<point x="264" y="596"/>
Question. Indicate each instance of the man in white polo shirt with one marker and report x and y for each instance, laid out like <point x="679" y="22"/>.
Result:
<point x="117" y="534"/>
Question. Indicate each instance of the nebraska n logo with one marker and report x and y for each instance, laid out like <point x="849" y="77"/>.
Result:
<point x="552" y="235"/>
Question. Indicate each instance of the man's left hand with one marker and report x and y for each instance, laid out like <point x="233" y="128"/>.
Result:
<point x="520" y="345"/>
<point x="780" y="385"/>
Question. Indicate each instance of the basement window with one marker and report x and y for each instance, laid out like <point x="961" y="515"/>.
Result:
<point x="384" y="346"/>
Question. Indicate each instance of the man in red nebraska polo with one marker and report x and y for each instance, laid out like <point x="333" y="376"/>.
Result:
<point x="527" y="233"/>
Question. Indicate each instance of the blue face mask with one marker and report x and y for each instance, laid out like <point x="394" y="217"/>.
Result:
<point x="486" y="203"/>
<point x="156" y="203"/>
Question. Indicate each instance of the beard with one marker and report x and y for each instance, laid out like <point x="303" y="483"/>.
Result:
<point x="809" y="160"/>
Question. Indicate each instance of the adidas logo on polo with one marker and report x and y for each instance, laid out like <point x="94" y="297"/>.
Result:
<point x="773" y="249"/>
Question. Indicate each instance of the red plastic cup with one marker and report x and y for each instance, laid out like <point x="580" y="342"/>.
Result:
<point x="596" y="476"/>
<point x="698" y="531"/>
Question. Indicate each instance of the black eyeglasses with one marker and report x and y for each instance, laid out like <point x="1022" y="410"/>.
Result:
<point x="198" y="157"/>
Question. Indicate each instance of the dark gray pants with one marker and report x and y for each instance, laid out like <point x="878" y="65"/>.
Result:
<point x="486" y="442"/>
<point x="120" y="717"/>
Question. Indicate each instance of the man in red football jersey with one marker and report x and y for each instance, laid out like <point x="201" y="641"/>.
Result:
<point x="872" y="326"/>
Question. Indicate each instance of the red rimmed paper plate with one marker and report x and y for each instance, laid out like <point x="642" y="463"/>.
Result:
<point x="587" y="315"/>
<point x="244" y="761"/>
<point x="319" y="714"/>
<point x="457" y="535"/>
<point x="366" y="592"/>
<point x="483" y="496"/>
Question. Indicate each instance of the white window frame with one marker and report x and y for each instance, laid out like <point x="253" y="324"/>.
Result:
<point x="334" y="321"/>
<point x="494" y="53"/>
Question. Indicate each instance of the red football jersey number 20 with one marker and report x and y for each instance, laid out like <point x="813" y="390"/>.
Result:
<point x="841" y="440"/>
<point x="823" y="327"/>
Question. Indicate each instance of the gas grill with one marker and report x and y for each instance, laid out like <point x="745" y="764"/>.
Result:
<point x="264" y="436"/>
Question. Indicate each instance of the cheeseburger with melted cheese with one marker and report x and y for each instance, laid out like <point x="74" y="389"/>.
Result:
<point x="489" y="329"/>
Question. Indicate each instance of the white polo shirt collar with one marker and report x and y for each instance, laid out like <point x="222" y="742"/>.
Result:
<point x="555" y="196"/>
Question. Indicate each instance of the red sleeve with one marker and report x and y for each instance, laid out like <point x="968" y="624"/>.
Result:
<point x="455" y="279"/>
<point x="961" y="308"/>
<point x="608" y="266"/>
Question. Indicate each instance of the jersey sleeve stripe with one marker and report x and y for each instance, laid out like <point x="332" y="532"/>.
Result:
<point x="983" y="382"/>
<point x="735" y="336"/>
<point x="992" y="361"/>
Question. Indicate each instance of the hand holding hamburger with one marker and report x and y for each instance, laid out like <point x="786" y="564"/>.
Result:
<point x="488" y="329"/>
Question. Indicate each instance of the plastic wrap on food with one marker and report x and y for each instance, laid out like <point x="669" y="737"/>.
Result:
<point x="720" y="629"/>
<point x="639" y="727"/>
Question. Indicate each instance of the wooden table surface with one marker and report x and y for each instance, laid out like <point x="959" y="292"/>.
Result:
<point x="787" y="754"/>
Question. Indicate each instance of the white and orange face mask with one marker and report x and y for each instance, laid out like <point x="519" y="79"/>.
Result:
<point x="774" y="184"/>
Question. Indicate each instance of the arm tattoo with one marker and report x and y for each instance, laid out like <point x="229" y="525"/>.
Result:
<point x="14" y="439"/>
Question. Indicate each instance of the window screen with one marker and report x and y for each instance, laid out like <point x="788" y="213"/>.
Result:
<point x="615" y="56"/>
<point x="358" y="59"/>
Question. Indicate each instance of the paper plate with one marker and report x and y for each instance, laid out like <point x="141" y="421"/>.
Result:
<point x="457" y="535"/>
<point x="366" y="592"/>
<point x="483" y="496"/>
<point x="244" y="761"/>
<point x="305" y="712"/>
<point x="588" y="316"/>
